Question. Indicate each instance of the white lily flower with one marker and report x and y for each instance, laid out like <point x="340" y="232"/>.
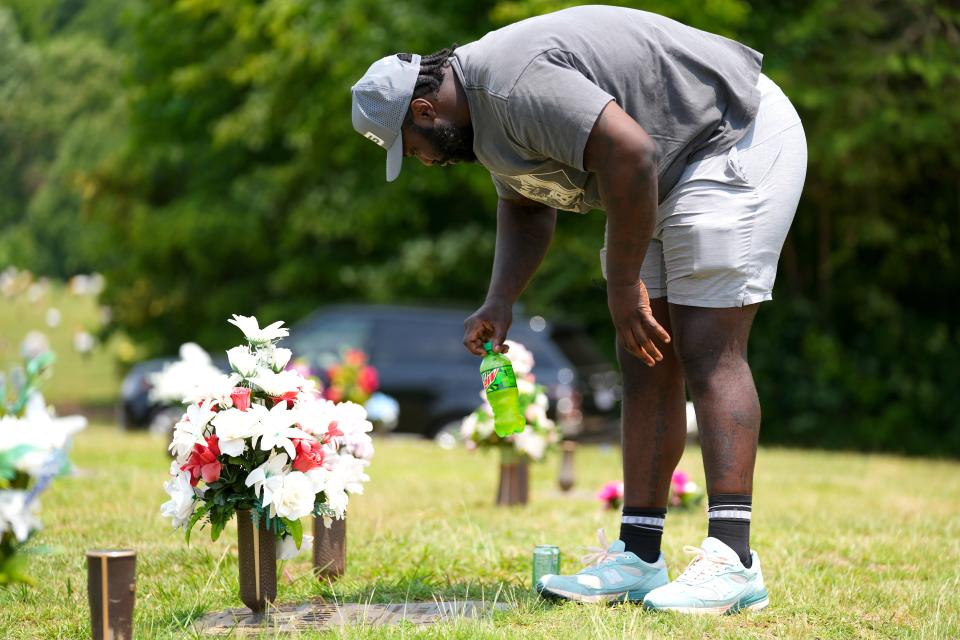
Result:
<point x="314" y="415"/>
<point x="17" y="516"/>
<point x="277" y="384"/>
<point x="295" y="498"/>
<point x="361" y="449"/>
<point x="335" y="493"/>
<point x="352" y="418"/>
<point x="180" y="378"/>
<point x="520" y="357"/>
<point x="179" y="508"/>
<point x="214" y="390"/>
<point x="535" y="414"/>
<point x="318" y="476"/>
<point x="47" y="428"/>
<point x="277" y="432"/>
<point x="254" y="334"/>
<point x="287" y="548"/>
<point x="189" y="431"/>
<point x="243" y="361"/>
<point x="351" y="472"/>
<point x="267" y="479"/>
<point x="530" y="443"/>
<point x="468" y="426"/>
<point x="233" y="427"/>
<point x="280" y="358"/>
<point x="525" y="387"/>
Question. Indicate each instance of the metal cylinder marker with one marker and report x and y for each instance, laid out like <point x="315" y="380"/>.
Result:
<point x="111" y="592"/>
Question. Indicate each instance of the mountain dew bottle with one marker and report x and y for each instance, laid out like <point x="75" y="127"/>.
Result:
<point x="500" y="385"/>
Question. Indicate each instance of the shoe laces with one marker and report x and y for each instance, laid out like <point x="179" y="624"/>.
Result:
<point x="704" y="565"/>
<point x="597" y="556"/>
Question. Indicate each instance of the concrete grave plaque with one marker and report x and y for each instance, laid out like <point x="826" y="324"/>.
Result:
<point x="319" y="616"/>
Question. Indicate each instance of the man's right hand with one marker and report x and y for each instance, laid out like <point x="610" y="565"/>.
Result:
<point x="489" y="323"/>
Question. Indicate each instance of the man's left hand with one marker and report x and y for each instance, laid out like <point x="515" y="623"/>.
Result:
<point x="633" y="318"/>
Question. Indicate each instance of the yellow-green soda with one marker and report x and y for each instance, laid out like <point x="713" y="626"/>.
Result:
<point x="500" y="385"/>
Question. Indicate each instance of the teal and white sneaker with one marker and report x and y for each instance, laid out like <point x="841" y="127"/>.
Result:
<point x="715" y="582"/>
<point x="615" y="576"/>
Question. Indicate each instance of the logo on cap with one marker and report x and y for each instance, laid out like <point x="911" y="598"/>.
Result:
<point x="372" y="136"/>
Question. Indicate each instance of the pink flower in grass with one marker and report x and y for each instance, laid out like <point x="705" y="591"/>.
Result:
<point x="679" y="482"/>
<point x="611" y="494"/>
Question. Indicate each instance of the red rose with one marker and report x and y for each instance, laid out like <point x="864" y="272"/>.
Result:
<point x="203" y="462"/>
<point x="309" y="455"/>
<point x="241" y="398"/>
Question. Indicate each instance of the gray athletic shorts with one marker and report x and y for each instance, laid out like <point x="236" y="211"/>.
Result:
<point x="720" y="230"/>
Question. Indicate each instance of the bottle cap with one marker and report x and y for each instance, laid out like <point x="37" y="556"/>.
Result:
<point x="488" y="347"/>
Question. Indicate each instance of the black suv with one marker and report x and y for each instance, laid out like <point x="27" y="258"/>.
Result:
<point x="419" y="355"/>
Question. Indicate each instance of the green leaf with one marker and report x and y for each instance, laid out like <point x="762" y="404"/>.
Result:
<point x="38" y="364"/>
<point x="216" y="529"/>
<point x="195" y="518"/>
<point x="295" y="527"/>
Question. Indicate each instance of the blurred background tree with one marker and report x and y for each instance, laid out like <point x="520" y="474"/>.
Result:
<point x="200" y="154"/>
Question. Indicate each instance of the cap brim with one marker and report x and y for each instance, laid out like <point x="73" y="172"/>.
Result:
<point x="395" y="158"/>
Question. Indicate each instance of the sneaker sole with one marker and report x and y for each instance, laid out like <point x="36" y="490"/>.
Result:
<point x="753" y="603"/>
<point x="609" y="598"/>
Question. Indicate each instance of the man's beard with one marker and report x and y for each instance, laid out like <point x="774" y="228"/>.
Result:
<point x="454" y="144"/>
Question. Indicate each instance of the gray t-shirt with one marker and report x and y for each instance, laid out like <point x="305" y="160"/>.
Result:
<point x="536" y="88"/>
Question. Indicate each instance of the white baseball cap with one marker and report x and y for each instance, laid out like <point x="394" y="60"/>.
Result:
<point x="380" y="102"/>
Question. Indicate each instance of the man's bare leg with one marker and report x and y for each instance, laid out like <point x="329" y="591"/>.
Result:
<point x="653" y="435"/>
<point x="712" y="349"/>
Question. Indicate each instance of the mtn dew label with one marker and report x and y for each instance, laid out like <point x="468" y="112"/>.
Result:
<point x="500" y="386"/>
<point x="498" y="378"/>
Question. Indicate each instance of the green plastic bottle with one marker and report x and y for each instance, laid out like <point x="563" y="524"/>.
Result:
<point x="500" y="385"/>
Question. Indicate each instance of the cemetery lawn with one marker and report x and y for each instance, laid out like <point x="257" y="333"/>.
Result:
<point x="853" y="546"/>
<point x="97" y="370"/>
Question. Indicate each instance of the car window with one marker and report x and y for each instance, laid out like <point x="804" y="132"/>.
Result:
<point x="421" y="339"/>
<point x="322" y="342"/>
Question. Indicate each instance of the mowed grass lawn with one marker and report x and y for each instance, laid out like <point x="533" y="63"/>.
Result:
<point x="78" y="379"/>
<point x="852" y="546"/>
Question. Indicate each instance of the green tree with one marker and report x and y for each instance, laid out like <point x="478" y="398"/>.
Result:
<point x="245" y="189"/>
<point x="61" y="114"/>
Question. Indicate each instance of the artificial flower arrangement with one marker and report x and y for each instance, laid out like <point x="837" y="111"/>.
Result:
<point x="684" y="492"/>
<point x="181" y="378"/>
<point x="262" y="439"/>
<point x="353" y="379"/>
<point x="33" y="451"/>
<point x="540" y="434"/>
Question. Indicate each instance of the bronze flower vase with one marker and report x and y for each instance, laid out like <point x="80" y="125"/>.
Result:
<point x="329" y="548"/>
<point x="514" y="487"/>
<point x="111" y="592"/>
<point x="257" y="555"/>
